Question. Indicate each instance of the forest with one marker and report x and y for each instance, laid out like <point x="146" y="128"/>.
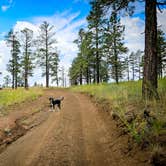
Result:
<point x="102" y="53"/>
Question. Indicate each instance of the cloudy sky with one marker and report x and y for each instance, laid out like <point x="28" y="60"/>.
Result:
<point x="68" y="16"/>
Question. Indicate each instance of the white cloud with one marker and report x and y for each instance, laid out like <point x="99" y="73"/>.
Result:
<point x="66" y="24"/>
<point x="20" y="25"/>
<point x="7" y="6"/>
<point x="135" y="28"/>
<point x="161" y="19"/>
<point x="4" y="58"/>
<point x="134" y="33"/>
<point x="2" y="35"/>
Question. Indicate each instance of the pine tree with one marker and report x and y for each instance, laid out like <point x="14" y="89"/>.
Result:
<point x="63" y="78"/>
<point x="79" y="43"/>
<point x="95" y="22"/>
<point x="149" y="85"/>
<point x="104" y="68"/>
<point x="127" y="67"/>
<point x="132" y="59"/>
<point x="85" y="59"/>
<point x="88" y="58"/>
<point x="139" y="63"/>
<point x="21" y="81"/>
<point x="7" y="81"/>
<point x="161" y="52"/>
<point x="27" y="58"/>
<point x="47" y="49"/>
<point x="74" y="72"/>
<point x="134" y="64"/>
<point x="14" y="63"/>
<point x="114" y="45"/>
<point x="54" y="61"/>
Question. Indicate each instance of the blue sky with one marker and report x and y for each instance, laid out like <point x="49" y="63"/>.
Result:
<point x="14" y="10"/>
<point x="68" y="16"/>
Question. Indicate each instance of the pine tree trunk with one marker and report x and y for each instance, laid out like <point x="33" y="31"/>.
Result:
<point x="115" y="49"/>
<point x="47" y="73"/>
<point x="87" y="75"/>
<point x="26" y="81"/>
<point x="116" y="67"/>
<point x="80" y="77"/>
<point x="13" y="80"/>
<point x="128" y="71"/>
<point x="57" y="81"/>
<point x="133" y="68"/>
<point x="160" y="66"/>
<point x="26" y="77"/>
<point x="139" y="69"/>
<point x="116" y="63"/>
<point x="97" y="58"/>
<point x="149" y="86"/>
<point x="47" y="66"/>
<point x="26" y="65"/>
<point x="13" y="67"/>
<point x="16" y="77"/>
<point x="94" y="73"/>
<point x="90" y="78"/>
<point x="98" y="68"/>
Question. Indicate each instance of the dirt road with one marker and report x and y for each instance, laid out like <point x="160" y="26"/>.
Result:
<point x="78" y="135"/>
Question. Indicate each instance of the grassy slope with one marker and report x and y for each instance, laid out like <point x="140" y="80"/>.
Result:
<point x="9" y="96"/>
<point x="124" y="92"/>
<point x="125" y="98"/>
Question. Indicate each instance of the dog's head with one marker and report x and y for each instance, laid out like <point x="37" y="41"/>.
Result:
<point x="51" y="99"/>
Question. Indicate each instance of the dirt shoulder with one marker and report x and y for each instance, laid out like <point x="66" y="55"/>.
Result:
<point x="77" y="135"/>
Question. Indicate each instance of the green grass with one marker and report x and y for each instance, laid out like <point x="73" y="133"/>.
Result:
<point x="124" y="91"/>
<point x="125" y="97"/>
<point x="9" y="96"/>
<point x="114" y="92"/>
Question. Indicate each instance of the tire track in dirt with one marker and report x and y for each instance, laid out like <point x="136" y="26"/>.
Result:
<point x="78" y="135"/>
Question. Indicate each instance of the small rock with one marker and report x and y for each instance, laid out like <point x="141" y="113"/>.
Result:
<point x="114" y="115"/>
<point x="130" y="116"/>
<point x="7" y="130"/>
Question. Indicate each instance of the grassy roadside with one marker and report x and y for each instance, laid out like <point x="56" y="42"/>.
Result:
<point x="9" y="96"/>
<point x="144" y="121"/>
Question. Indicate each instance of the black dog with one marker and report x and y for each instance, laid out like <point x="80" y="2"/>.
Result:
<point x="54" y="102"/>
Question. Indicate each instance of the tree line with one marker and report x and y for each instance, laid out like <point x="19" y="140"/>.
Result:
<point x="27" y="53"/>
<point x="102" y="53"/>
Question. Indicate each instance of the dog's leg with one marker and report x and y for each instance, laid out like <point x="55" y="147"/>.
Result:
<point x="51" y="107"/>
<point x="59" y="106"/>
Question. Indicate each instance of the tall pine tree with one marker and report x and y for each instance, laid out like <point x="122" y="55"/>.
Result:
<point x="95" y="22"/>
<point x="47" y="51"/>
<point x="14" y="63"/>
<point x="27" y="57"/>
<point x="114" y="45"/>
<point x="161" y="52"/>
